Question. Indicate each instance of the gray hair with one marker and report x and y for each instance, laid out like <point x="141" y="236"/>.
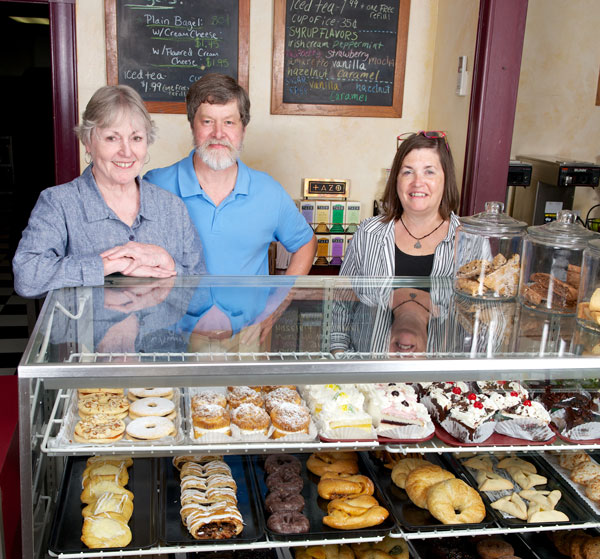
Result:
<point x="217" y="89"/>
<point x="108" y="103"/>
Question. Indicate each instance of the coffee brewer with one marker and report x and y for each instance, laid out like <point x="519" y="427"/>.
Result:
<point x="553" y="183"/>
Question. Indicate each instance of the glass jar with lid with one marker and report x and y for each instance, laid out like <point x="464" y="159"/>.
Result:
<point x="487" y="254"/>
<point x="588" y="306"/>
<point x="551" y="270"/>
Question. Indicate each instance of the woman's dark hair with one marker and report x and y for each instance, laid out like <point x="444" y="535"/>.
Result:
<point x="392" y="207"/>
<point x="217" y="89"/>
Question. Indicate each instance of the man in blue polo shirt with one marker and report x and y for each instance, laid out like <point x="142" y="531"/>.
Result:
<point x="238" y="211"/>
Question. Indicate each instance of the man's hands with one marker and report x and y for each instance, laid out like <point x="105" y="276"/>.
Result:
<point x="138" y="260"/>
<point x="135" y="298"/>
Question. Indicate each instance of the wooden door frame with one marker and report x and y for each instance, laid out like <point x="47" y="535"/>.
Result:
<point x="496" y="72"/>
<point x="63" y="52"/>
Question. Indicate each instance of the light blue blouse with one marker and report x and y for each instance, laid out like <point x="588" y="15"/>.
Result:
<point x="71" y="225"/>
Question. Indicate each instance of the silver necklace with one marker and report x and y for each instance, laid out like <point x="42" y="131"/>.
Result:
<point x="418" y="244"/>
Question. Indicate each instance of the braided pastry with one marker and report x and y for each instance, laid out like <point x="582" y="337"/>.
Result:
<point x="352" y="513"/>
<point x="343" y="486"/>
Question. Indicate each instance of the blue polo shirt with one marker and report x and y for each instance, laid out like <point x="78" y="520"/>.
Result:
<point x="236" y="234"/>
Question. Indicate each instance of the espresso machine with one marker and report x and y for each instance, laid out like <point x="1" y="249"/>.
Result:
<point x="553" y="183"/>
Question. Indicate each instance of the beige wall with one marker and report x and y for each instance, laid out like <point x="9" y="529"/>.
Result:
<point x="293" y="147"/>
<point x="556" y="112"/>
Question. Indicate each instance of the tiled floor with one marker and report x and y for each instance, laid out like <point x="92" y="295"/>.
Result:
<point x="13" y="318"/>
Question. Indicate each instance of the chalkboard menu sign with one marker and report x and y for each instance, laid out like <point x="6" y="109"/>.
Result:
<point x="161" y="47"/>
<point x="339" y="57"/>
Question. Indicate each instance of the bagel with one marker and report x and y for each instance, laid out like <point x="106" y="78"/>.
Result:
<point x="325" y="462"/>
<point x="421" y="479"/>
<point x="447" y="497"/>
<point x="402" y="468"/>
<point x="343" y="486"/>
<point x="355" y="512"/>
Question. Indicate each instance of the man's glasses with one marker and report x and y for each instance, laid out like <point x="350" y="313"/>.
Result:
<point x="431" y="134"/>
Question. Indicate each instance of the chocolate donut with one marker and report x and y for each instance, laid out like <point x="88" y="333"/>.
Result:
<point x="288" y="523"/>
<point x="276" y="461"/>
<point x="286" y="480"/>
<point x="280" y="501"/>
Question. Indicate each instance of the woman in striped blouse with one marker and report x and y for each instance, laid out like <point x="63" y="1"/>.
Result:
<point x="415" y="234"/>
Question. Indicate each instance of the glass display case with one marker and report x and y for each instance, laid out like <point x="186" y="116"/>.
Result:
<point x="226" y="331"/>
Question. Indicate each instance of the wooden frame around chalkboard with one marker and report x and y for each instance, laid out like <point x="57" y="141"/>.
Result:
<point x="112" y="54"/>
<point x="278" y="107"/>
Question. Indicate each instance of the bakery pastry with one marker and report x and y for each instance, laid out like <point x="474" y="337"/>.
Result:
<point x="107" y="391"/>
<point x="480" y="462"/>
<point x="513" y="505"/>
<point x="332" y="551"/>
<point x="97" y="486"/>
<point x="116" y="472"/>
<point x="516" y="462"/>
<point x="526" y="480"/>
<point x="402" y="468"/>
<point x="569" y="460"/>
<point x="352" y="513"/>
<point x="281" y="395"/>
<point x="152" y="407"/>
<point x="250" y="419"/>
<point x="585" y="472"/>
<point x="99" y="429"/>
<point x="493" y="548"/>
<point x="116" y="459"/>
<point x="490" y="481"/>
<point x="336" y="487"/>
<point x="321" y="463"/>
<point x="210" y="418"/>
<point x="274" y="462"/>
<point x="104" y="530"/>
<point x="454" y="502"/>
<point x="289" y="419"/>
<point x="388" y="548"/>
<point x="288" y="522"/>
<point x="110" y="404"/>
<point x="237" y="395"/>
<point x="150" y="428"/>
<point x="179" y="461"/>
<point x="156" y="392"/>
<point x="110" y="502"/>
<point x="226" y="524"/>
<point x="421" y="479"/>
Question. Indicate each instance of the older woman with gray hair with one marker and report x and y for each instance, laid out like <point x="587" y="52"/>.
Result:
<point x="108" y="220"/>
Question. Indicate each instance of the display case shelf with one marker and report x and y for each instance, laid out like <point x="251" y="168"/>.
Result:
<point x="268" y="344"/>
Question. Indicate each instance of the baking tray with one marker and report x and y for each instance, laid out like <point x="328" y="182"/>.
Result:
<point x="236" y="554"/>
<point x="426" y="549"/>
<point x="496" y="439"/>
<point x="569" y="503"/>
<point x="172" y="530"/>
<point x="407" y="514"/>
<point x="315" y="507"/>
<point x="68" y="522"/>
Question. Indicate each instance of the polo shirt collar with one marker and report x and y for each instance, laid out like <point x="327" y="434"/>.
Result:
<point x="96" y="209"/>
<point x="188" y="181"/>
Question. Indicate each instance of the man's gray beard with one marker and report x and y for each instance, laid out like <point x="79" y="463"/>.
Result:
<point x="218" y="160"/>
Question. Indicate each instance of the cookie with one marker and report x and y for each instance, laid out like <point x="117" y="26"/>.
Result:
<point x="99" y="429"/>
<point x="474" y="269"/>
<point x="150" y="428"/>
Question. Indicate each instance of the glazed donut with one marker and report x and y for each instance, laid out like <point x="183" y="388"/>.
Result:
<point x="152" y="407"/>
<point x="149" y="428"/>
<point x="284" y="480"/>
<point x="585" y="472"/>
<point x="276" y="461"/>
<point x="402" y="468"/>
<point x="157" y="392"/>
<point x="324" y="463"/>
<point x="353" y="513"/>
<point x="421" y="479"/>
<point x="278" y="501"/>
<point x="345" y="486"/>
<point x="569" y="460"/>
<point x="492" y="548"/>
<point x="288" y="523"/>
<point x="446" y="497"/>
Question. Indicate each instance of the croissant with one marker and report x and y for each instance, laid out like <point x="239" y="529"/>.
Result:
<point x="446" y="497"/>
<point x="402" y="468"/>
<point x="365" y="512"/>
<point x="342" y="486"/>
<point x="421" y="479"/>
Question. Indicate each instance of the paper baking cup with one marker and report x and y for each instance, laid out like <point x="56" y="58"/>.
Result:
<point x="524" y="428"/>
<point x="211" y="438"/>
<point x="583" y="432"/>
<point x="460" y="432"/>
<point x="406" y="431"/>
<point x="345" y="433"/>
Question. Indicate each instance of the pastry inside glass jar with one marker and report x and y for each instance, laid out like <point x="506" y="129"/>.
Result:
<point x="498" y="277"/>
<point x="547" y="291"/>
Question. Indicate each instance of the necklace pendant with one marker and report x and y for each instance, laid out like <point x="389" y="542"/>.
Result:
<point x="417" y="244"/>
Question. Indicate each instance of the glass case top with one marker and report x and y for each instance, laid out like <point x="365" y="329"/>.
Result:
<point x="292" y="318"/>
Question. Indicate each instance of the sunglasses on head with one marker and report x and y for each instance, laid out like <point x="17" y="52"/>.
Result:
<point x="431" y="134"/>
